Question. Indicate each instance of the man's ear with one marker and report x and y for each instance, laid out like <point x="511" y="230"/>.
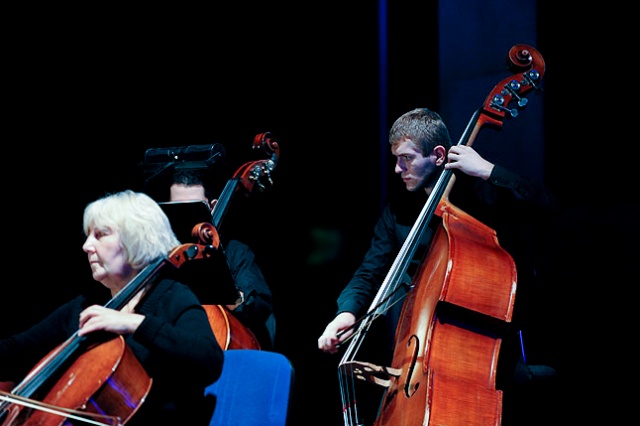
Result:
<point x="441" y="155"/>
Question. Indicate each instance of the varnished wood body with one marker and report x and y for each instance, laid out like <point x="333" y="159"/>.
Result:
<point x="448" y="338"/>
<point x="229" y="331"/>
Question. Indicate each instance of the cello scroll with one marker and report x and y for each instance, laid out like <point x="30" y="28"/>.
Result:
<point x="259" y="172"/>
<point x="248" y="177"/>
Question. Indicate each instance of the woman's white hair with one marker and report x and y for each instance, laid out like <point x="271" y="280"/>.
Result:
<point x="144" y="229"/>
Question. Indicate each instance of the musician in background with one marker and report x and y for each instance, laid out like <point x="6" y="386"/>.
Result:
<point x="254" y="308"/>
<point x="510" y="204"/>
<point x="164" y="324"/>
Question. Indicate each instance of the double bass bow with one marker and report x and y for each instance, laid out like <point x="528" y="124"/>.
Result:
<point x="445" y="356"/>
<point x="251" y="176"/>
<point x="91" y="379"/>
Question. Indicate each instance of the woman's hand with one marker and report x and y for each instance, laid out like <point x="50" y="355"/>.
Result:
<point x="98" y="317"/>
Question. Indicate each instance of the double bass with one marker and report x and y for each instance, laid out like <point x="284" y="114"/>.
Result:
<point x="447" y="341"/>
<point x="93" y="379"/>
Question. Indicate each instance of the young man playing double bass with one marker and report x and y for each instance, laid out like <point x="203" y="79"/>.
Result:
<point x="499" y="198"/>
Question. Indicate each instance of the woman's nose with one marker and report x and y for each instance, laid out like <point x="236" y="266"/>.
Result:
<point x="87" y="247"/>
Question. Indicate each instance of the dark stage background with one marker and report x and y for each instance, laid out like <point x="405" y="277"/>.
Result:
<point x="87" y="91"/>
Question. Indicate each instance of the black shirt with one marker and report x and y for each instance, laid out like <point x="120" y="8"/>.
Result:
<point x="514" y="206"/>
<point x="174" y="344"/>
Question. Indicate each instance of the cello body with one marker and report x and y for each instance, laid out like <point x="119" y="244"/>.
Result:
<point x="106" y="378"/>
<point x="229" y="331"/>
<point x="447" y="347"/>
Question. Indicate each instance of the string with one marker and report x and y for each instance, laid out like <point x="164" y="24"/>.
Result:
<point x="59" y="411"/>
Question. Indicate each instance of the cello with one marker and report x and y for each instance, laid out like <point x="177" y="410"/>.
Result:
<point x="445" y="356"/>
<point x="251" y="176"/>
<point x="93" y="379"/>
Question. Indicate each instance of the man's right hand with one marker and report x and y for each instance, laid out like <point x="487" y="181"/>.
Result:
<point x="329" y="340"/>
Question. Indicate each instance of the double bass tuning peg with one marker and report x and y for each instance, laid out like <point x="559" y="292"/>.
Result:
<point x="531" y="78"/>
<point x="513" y="87"/>
<point x="498" y="103"/>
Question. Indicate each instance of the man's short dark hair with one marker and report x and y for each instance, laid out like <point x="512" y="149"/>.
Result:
<point x="193" y="178"/>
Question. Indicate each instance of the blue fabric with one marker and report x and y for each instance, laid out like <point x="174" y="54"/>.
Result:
<point x="254" y="389"/>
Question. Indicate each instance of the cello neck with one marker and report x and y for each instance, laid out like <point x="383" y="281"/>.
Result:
<point x="220" y="208"/>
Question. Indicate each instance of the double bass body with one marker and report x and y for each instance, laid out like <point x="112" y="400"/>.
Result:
<point x="447" y="347"/>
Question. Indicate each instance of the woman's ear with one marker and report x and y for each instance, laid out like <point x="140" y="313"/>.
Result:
<point x="441" y="155"/>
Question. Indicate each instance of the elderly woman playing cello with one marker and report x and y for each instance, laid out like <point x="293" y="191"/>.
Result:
<point x="163" y="324"/>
